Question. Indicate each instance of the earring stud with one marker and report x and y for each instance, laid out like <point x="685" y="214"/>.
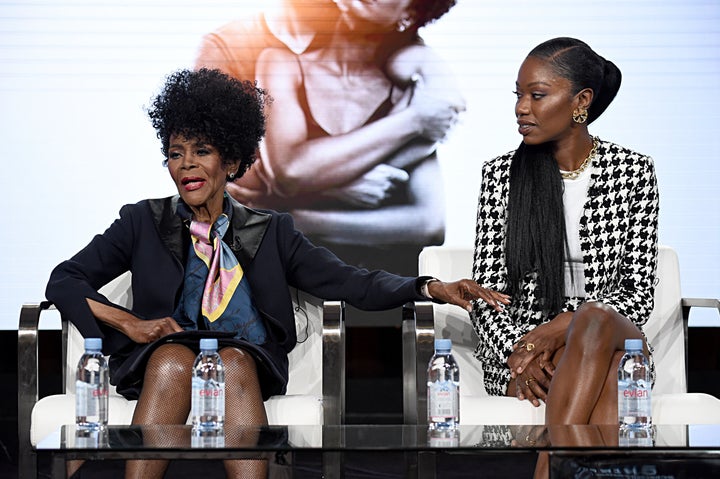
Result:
<point x="580" y="115"/>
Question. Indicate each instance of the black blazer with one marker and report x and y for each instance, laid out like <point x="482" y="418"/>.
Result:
<point x="150" y="240"/>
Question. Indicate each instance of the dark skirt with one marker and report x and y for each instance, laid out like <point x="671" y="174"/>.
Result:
<point x="127" y="367"/>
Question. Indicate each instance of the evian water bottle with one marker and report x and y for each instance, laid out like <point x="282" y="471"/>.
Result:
<point x="208" y="387"/>
<point x="443" y="388"/>
<point x="634" y="383"/>
<point x="91" y="387"/>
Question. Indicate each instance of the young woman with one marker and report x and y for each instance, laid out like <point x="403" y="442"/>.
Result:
<point x="567" y="226"/>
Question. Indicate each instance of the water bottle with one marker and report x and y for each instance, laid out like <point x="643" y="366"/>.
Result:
<point x="634" y="385"/>
<point x="443" y="437"/>
<point x="208" y="387"/>
<point x="207" y="438"/>
<point x="443" y="388"/>
<point x="86" y="438"/>
<point x="91" y="387"/>
<point x="636" y="437"/>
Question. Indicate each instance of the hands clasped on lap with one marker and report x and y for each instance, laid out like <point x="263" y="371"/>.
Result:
<point x="531" y="363"/>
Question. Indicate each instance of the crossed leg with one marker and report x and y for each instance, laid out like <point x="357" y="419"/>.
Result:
<point x="583" y="389"/>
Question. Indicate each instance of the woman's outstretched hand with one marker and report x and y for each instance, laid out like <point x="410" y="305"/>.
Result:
<point x="463" y="292"/>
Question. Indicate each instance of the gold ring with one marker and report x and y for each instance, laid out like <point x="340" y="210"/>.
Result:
<point x="529" y="347"/>
<point x="521" y="343"/>
<point x="529" y="380"/>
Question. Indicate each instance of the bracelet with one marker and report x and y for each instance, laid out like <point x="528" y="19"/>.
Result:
<point x="424" y="288"/>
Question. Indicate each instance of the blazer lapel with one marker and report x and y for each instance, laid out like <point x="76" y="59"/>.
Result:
<point x="248" y="230"/>
<point x="596" y="207"/>
<point x="170" y="226"/>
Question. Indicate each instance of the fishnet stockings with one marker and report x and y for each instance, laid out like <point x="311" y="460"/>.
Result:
<point x="165" y="399"/>
<point x="243" y="406"/>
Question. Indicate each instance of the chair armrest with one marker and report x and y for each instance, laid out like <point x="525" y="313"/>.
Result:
<point x="418" y="343"/>
<point x="27" y="367"/>
<point x="333" y="351"/>
<point x="689" y="303"/>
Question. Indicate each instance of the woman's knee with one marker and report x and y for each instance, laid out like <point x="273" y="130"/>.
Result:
<point x="171" y="361"/>
<point x="238" y="362"/>
<point x="592" y="321"/>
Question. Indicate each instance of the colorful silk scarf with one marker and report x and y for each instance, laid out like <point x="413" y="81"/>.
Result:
<point x="215" y="288"/>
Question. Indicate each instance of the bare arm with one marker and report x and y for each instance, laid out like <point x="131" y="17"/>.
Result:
<point x="425" y="78"/>
<point x="411" y="153"/>
<point x="420" y="221"/>
<point x="422" y="67"/>
<point x="300" y="165"/>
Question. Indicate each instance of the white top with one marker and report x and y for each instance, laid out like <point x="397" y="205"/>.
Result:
<point x="574" y="198"/>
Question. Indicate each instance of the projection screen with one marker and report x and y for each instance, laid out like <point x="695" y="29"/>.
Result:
<point x="76" y="75"/>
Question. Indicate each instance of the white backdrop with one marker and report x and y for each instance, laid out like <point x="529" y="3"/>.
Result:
<point x="76" y="74"/>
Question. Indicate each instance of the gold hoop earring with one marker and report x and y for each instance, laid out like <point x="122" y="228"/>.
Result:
<point x="580" y="115"/>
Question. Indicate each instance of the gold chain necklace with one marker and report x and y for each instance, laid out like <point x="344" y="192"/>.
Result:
<point x="571" y="175"/>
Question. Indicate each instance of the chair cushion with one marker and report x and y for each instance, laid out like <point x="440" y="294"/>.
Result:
<point x="294" y="409"/>
<point x="685" y="408"/>
<point x="51" y="412"/>
<point x="679" y="408"/>
<point x="664" y="329"/>
<point x="499" y="410"/>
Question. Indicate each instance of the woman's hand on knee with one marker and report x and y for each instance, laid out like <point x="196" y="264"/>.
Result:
<point x="539" y="344"/>
<point x="531" y="388"/>
<point x="533" y="384"/>
<point x="148" y="330"/>
<point x="524" y="353"/>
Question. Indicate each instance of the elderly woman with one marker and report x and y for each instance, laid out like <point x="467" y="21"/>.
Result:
<point x="203" y="264"/>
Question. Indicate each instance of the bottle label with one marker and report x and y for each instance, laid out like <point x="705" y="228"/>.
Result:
<point x="442" y="401"/>
<point x="634" y="403"/>
<point x="208" y="400"/>
<point x="636" y="393"/>
<point x="88" y="399"/>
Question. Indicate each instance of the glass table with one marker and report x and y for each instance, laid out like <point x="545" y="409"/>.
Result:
<point x="573" y="451"/>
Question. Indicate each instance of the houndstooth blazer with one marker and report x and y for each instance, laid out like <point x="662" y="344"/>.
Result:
<point x="618" y="237"/>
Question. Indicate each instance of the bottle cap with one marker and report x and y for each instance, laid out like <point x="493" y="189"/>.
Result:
<point x="634" y="344"/>
<point x="443" y="345"/>
<point x="207" y="344"/>
<point x="93" y="344"/>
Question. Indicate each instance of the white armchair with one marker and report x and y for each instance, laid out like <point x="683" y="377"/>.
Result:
<point x="666" y="330"/>
<point x="315" y="393"/>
